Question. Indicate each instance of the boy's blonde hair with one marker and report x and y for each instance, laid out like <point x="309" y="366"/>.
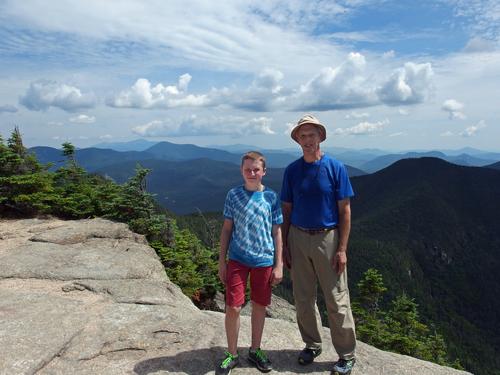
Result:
<point x="254" y="155"/>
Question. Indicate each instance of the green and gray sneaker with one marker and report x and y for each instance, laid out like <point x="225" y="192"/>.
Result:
<point x="229" y="362"/>
<point x="260" y="360"/>
<point x="343" y="366"/>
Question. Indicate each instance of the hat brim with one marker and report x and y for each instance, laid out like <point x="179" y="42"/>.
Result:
<point x="321" y="129"/>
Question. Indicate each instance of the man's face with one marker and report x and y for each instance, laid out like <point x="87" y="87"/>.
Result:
<point x="309" y="138"/>
<point x="252" y="172"/>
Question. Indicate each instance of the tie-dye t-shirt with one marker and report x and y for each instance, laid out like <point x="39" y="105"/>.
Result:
<point x="253" y="214"/>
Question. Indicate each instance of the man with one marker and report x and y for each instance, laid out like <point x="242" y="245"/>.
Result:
<point x="316" y="225"/>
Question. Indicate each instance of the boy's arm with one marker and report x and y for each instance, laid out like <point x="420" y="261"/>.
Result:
<point x="277" y="274"/>
<point x="225" y="237"/>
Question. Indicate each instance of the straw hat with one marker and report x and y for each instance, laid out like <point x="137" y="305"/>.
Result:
<point x="309" y="119"/>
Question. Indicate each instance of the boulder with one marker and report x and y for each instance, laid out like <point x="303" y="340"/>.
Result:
<point x="91" y="297"/>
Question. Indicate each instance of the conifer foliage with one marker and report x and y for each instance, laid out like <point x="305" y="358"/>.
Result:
<point x="29" y="189"/>
<point x="398" y="328"/>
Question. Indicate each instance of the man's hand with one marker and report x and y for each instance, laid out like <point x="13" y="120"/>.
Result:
<point x="339" y="261"/>
<point x="222" y="272"/>
<point x="276" y="275"/>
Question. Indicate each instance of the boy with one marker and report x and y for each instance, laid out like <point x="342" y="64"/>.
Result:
<point x="252" y="234"/>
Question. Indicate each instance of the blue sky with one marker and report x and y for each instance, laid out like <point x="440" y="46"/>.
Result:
<point x="395" y="75"/>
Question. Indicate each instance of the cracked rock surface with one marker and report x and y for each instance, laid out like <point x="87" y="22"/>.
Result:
<point x="91" y="297"/>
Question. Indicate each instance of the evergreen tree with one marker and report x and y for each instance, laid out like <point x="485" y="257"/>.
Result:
<point x="25" y="186"/>
<point x="398" y="329"/>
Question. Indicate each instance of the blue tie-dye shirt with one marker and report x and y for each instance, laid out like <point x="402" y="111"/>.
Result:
<point x="253" y="214"/>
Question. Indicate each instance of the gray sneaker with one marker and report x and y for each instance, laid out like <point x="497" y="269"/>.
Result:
<point x="343" y="366"/>
<point x="260" y="360"/>
<point x="227" y="364"/>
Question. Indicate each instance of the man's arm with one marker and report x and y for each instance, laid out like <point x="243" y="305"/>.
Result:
<point x="340" y="258"/>
<point x="225" y="237"/>
<point x="277" y="274"/>
<point x="286" y="208"/>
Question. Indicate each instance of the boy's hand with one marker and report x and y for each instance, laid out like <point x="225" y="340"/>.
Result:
<point x="222" y="272"/>
<point x="276" y="275"/>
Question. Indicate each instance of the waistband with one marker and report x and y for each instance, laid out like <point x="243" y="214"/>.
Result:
<point x="316" y="230"/>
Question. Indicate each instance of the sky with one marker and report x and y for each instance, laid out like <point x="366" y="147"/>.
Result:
<point x="393" y="75"/>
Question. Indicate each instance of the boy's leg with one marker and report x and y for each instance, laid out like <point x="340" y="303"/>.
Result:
<point x="236" y="280"/>
<point x="232" y="323"/>
<point x="260" y="287"/>
<point x="258" y="319"/>
<point x="260" y="292"/>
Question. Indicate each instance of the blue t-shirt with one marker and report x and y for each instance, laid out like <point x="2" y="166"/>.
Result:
<point x="314" y="189"/>
<point x="253" y="214"/>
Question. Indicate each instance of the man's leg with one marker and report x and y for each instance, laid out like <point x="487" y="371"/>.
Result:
<point x="304" y="287"/>
<point x="336" y="292"/>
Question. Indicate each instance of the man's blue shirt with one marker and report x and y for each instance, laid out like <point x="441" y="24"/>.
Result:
<point x="314" y="189"/>
<point x="253" y="214"/>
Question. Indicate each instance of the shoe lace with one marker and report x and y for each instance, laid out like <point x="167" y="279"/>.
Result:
<point x="261" y="355"/>
<point x="345" y="363"/>
<point x="228" y="359"/>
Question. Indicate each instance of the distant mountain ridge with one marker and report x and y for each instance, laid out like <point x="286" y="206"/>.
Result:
<point x="384" y="161"/>
<point x="432" y="228"/>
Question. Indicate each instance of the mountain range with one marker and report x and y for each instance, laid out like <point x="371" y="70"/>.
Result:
<point x="432" y="229"/>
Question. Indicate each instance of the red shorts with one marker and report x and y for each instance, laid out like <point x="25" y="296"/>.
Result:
<point x="236" y="282"/>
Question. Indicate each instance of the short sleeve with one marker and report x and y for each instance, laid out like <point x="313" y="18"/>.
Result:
<point x="228" y="207"/>
<point x="277" y="216"/>
<point x="286" y="188"/>
<point x="344" y="188"/>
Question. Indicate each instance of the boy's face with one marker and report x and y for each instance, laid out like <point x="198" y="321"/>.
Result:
<point x="252" y="172"/>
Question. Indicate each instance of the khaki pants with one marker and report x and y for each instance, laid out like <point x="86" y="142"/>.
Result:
<point x="311" y="262"/>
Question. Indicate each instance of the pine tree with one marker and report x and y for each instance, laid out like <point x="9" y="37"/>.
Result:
<point x="25" y="185"/>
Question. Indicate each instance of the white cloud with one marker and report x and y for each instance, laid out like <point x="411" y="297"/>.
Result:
<point x="264" y="93"/>
<point x="44" y="94"/>
<point x="480" y="17"/>
<point x="106" y="136"/>
<point x="363" y="128"/>
<point x="356" y="115"/>
<point x="408" y="85"/>
<point x="398" y="134"/>
<point x="234" y="126"/>
<point x="454" y="109"/>
<point x="143" y="95"/>
<point x="389" y="54"/>
<point x="447" y="134"/>
<point x="478" y="44"/>
<point x="345" y="86"/>
<point x="336" y="88"/>
<point x="8" y="108"/>
<point x="55" y="123"/>
<point x="473" y="129"/>
<point x="237" y="35"/>
<point x="403" y="112"/>
<point x="82" y="119"/>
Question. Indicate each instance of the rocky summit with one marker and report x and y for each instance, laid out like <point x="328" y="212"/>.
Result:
<point x="91" y="297"/>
